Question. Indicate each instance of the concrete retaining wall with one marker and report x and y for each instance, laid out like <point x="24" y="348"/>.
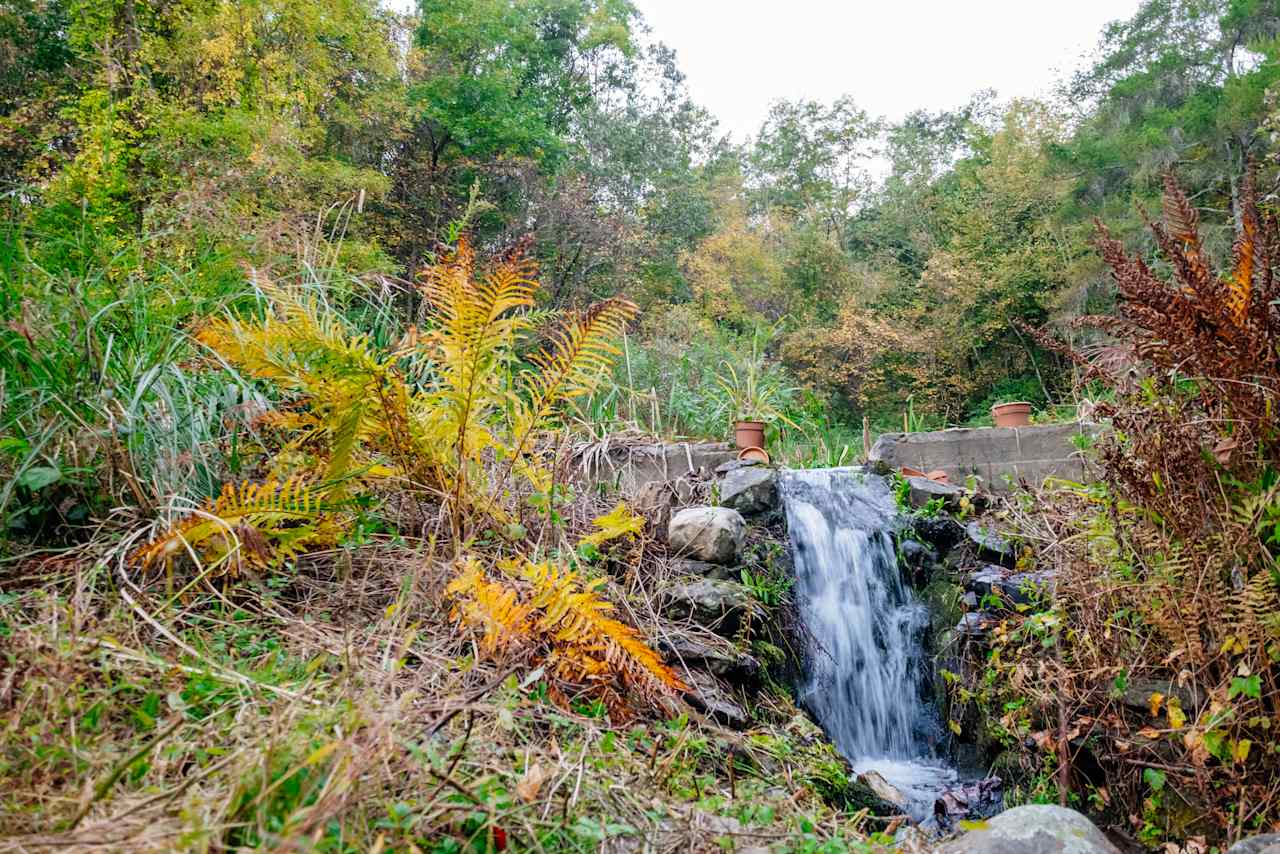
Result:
<point x="1000" y="456"/>
<point x="630" y="467"/>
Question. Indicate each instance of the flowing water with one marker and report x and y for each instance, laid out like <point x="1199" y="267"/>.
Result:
<point x="867" y="674"/>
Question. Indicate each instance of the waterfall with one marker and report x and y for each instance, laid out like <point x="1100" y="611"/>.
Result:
<point x="866" y="676"/>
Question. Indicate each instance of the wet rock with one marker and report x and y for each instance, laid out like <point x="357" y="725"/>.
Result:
<point x="722" y="606"/>
<point x="857" y="795"/>
<point x="977" y="799"/>
<point x="1267" y="843"/>
<point x="941" y="532"/>
<point x="707" y="695"/>
<point x="991" y="546"/>
<point x="751" y="490"/>
<point x="719" y="659"/>
<point x="917" y="556"/>
<point x="702" y="569"/>
<point x="923" y="490"/>
<point x="1038" y="828"/>
<point x="711" y="534"/>
<point x="1012" y="588"/>
<point x="976" y="624"/>
<point x="884" y="790"/>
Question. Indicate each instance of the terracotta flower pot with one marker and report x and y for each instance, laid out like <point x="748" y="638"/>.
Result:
<point x="1017" y="414"/>
<point x="748" y="434"/>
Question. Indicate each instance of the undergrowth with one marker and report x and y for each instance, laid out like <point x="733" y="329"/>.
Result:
<point x="1150" y="688"/>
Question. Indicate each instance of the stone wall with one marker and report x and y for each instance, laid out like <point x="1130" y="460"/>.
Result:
<point x="999" y="456"/>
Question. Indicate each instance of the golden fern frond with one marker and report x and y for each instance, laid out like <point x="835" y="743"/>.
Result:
<point x="576" y="616"/>
<point x="619" y="522"/>
<point x="261" y="524"/>
<point x="580" y="354"/>
<point x="581" y="351"/>
<point x="1239" y="283"/>
<point x="492" y="607"/>
<point x="306" y="349"/>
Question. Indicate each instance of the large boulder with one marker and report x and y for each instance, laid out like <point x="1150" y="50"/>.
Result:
<point x="722" y="606"/>
<point x="1033" y="829"/>
<point x="711" y="534"/>
<point x="751" y="490"/>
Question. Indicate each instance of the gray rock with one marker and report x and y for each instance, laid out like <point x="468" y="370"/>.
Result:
<point x="976" y="624"/>
<point x="751" y="490"/>
<point x="1012" y="588"/>
<point x="722" y="606"/>
<point x="725" y="468"/>
<point x="706" y="694"/>
<point x="1138" y="691"/>
<point x="883" y="789"/>
<point x="702" y="569"/>
<point x="1267" y="843"/>
<point x="941" y="532"/>
<point x="924" y="490"/>
<point x="711" y="534"/>
<point x="991" y="546"/>
<point x="1033" y="829"/>
<point x="719" y="659"/>
<point x="917" y="555"/>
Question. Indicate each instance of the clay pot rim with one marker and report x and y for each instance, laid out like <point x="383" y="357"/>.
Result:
<point x="753" y="423"/>
<point x="1011" y="403"/>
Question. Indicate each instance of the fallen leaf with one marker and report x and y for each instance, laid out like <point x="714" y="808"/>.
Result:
<point x="1156" y="701"/>
<point x="531" y="782"/>
<point x="1222" y="450"/>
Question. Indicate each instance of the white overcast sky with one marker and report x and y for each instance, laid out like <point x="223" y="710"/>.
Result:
<point x="892" y="57"/>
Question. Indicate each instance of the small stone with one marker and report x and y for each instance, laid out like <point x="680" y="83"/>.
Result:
<point x="1039" y="828"/>
<point x="703" y="569"/>
<point x="991" y="546"/>
<point x="976" y="624"/>
<point x="1138" y="691"/>
<point x="722" y="606"/>
<point x="923" y="490"/>
<point x="941" y="532"/>
<point x="706" y="695"/>
<point x="711" y="534"/>
<point x="1012" y="588"/>
<point x="883" y="789"/>
<point x="917" y="555"/>
<point x="750" y="490"/>
<point x="719" y="659"/>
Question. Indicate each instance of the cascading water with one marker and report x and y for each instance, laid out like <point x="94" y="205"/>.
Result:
<point x="867" y="673"/>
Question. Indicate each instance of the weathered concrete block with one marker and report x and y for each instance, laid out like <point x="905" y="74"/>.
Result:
<point x="630" y="467"/>
<point x="999" y="456"/>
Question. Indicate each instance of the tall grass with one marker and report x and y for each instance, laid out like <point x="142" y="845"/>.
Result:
<point x="102" y="407"/>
